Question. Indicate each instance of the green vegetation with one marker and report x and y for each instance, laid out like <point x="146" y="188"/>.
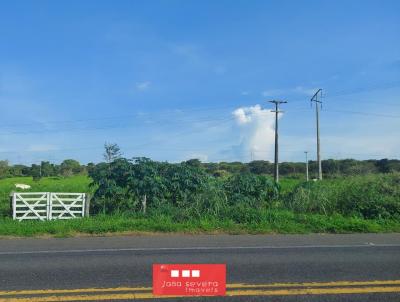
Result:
<point x="296" y="170"/>
<point x="284" y="222"/>
<point x="141" y="195"/>
<point x="68" y="167"/>
<point x="371" y="197"/>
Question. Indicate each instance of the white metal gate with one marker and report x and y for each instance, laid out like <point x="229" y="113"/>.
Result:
<point x="48" y="206"/>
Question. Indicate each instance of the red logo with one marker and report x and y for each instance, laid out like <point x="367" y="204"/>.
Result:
<point x="189" y="279"/>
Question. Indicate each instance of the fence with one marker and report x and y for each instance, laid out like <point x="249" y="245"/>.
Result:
<point x="49" y="206"/>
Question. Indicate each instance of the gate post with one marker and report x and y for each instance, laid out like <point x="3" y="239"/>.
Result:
<point x="13" y="207"/>
<point x="87" y="204"/>
<point x="49" y="206"/>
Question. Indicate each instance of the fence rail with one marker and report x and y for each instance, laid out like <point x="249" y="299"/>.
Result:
<point x="49" y="206"/>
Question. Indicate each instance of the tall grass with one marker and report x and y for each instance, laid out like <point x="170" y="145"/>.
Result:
<point x="370" y="196"/>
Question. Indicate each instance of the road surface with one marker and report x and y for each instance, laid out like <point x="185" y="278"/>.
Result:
<point x="360" y="267"/>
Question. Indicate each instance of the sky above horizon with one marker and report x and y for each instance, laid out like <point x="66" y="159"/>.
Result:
<point x="174" y="80"/>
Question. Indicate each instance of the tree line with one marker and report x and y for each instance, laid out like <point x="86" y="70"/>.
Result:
<point x="68" y="167"/>
<point x="331" y="168"/>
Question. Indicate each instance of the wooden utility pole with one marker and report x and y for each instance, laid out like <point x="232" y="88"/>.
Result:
<point x="276" y="170"/>
<point x="306" y="152"/>
<point x="144" y="203"/>
<point x="318" y="103"/>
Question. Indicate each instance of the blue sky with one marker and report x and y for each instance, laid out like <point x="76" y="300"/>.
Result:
<point x="165" y="79"/>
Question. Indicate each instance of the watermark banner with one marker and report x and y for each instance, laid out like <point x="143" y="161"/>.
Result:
<point x="189" y="279"/>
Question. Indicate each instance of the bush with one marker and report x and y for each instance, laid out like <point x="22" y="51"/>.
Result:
<point x="371" y="196"/>
<point x="187" y="190"/>
<point x="312" y="197"/>
<point x="122" y="184"/>
<point x="250" y="189"/>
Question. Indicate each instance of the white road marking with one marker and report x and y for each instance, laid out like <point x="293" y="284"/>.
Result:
<point x="198" y="248"/>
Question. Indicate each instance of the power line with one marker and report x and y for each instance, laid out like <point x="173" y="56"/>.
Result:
<point x="364" y="113"/>
<point x="185" y="132"/>
<point x="167" y="113"/>
<point x="379" y="86"/>
<point x="108" y="127"/>
<point x="199" y="109"/>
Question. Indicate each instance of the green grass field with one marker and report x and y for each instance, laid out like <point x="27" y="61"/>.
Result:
<point x="275" y="220"/>
<point x="78" y="184"/>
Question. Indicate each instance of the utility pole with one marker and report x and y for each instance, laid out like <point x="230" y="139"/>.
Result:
<point x="306" y="152"/>
<point x="276" y="170"/>
<point x="318" y="103"/>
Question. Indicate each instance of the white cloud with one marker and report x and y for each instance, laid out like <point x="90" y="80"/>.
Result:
<point x="256" y="127"/>
<point x="142" y="86"/>
<point x="241" y="116"/>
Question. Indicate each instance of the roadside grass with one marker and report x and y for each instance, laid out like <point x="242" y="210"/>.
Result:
<point x="283" y="222"/>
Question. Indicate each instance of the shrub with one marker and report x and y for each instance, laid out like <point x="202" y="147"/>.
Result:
<point x="371" y="196"/>
<point x="250" y="189"/>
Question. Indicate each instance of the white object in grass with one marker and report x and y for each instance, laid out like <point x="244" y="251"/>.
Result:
<point x="23" y="186"/>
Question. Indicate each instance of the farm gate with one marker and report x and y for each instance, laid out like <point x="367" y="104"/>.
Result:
<point x="48" y="206"/>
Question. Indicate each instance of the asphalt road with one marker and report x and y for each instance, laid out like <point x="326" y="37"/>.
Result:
<point x="362" y="267"/>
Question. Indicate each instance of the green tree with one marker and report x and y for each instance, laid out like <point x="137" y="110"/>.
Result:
<point x="111" y="152"/>
<point x="36" y="172"/>
<point x="19" y="170"/>
<point x="4" y="168"/>
<point x="260" y="167"/>
<point x="112" y="191"/>
<point x="383" y="165"/>
<point x="194" y="162"/>
<point x="47" y="169"/>
<point x="70" y="167"/>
